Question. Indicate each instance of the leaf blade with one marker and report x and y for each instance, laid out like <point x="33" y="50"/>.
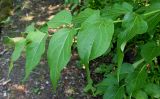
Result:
<point x="62" y="18"/>
<point x="34" y="50"/>
<point x="59" y="50"/>
<point x="96" y="34"/>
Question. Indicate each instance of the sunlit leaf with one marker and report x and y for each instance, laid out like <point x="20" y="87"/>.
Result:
<point x="83" y="15"/>
<point x="62" y="18"/>
<point x="34" y="50"/>
<point x="94" y="38"/>
<point x="44" y="28"/>
<point x="59" y="53"/>
<point x="30" y="28"/>
<point x="19" y="46"/>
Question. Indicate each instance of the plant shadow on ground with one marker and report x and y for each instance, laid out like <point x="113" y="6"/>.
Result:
<point x="38" y="85"/>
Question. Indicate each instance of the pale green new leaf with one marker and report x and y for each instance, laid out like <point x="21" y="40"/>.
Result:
<point x="153" y="90"/>
<point x="150" y="50"/>
<point x="62" y="18"/>
<point x="94" y="38"/>
<point x="117" y="10"/>
<point x="59" y="53"/>
<point x="34" y="50"/>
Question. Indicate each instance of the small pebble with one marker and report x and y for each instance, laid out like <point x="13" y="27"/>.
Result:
<point x="66" y="78"/>
<point x="47" y="82"/>
<point x="5" y="94"/>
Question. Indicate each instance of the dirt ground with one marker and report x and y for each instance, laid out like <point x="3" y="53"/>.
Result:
<point x="38" y="85"/>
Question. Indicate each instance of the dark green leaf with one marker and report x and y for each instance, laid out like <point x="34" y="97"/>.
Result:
<point x="126" y="68"/>
<point x="134" y="25"/>
<point x="140" y="95"/>
<point x="136" y="80"/>
<point x="117" y="10"/>
<point x="153" y="90"/>
<point x="114" y="92"/>
<point x="152" y="15"/>
<point x="150" y="50"/>
<point x="106" y="82"/>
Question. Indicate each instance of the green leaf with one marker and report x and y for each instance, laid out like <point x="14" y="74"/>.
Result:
<point x="34" y="50"/>
<point x="126" y="68"/>
<point x="62" y="18"/>
<point x="110" y="80"/>
<point x="140" y="95"/>
<point x="19" y="43"/>
<point x="117" y="10"/>
<point x="30" y="28"/>
<point x="152" y="15"/>
<point x="153" y="90"/>
<point x="149" y="51"/>
<point x="137" y="63"/>
<point x="103" y="68"/>
<point x="136" y="80"/>
<point x="114" y="92"/>
<point x="134" y="25"/>
<point x="44" y="28"/>
<point x="83" y="15"/>
<point x="19" y="46"/>
<point x="71" y="1"/>
<point x="11" y="41"/>
<point x="94" y="38"/>
<point x="59" y="53"/>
